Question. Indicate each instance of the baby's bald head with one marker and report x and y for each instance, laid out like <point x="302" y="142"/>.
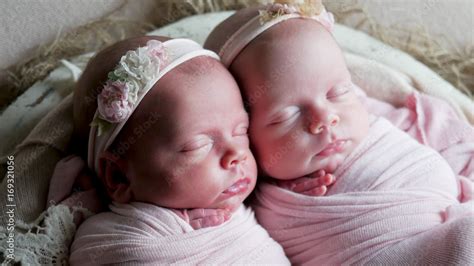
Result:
<point x="222" y="32"/>
<point x="276" y="50"/>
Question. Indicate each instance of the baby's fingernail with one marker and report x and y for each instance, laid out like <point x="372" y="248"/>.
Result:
<point x="321" y="172"/>
<point x="328" y="179"/>
<point x="321" y="190"/>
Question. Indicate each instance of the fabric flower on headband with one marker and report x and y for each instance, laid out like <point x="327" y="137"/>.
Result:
<point x="120" y="93"/>
<point x="275" y="10"/>
<point x="306" y="8"/>
<point x="312" y="9"/>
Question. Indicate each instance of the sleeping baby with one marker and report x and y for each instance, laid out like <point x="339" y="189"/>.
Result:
<point x="393" y="200"/>
<point x="168" y="140"/>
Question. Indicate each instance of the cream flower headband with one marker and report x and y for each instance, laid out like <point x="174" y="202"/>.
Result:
<point x="269" y="17"/>
<point x="136" y="73"/>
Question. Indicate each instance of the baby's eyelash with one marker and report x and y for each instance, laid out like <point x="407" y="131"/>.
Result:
<point x="196" y="146"/>
<point x="284" y="117"/>
<point x="338" y="91"/>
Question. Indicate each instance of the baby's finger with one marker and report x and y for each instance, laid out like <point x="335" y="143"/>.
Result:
<point x="321" y="173"/>
<point x="309" y="184"/>
<point x="327" y="180"/>
<point x="213" y="221"/>
<point x="291" y="184"/>
<point x="209" y="221"/>
<point x="200" y="213"/>
<point x="318" y="191"/>
<point x="196" y="223"/>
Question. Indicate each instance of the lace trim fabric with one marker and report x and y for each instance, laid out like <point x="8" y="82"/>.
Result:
<point x="45" y="241"/>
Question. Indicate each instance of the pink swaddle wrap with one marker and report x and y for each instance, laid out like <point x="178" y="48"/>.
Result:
<point x="433" y="122"/>
<point x="145" y="234"/>
<point x="391" y="194"/>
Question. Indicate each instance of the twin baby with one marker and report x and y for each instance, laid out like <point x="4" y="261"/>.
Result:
<point x="178" y="186"/>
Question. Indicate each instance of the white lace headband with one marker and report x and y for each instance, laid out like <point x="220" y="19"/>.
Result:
<point x="129" y="82"/>
<point x="272" y="15"/>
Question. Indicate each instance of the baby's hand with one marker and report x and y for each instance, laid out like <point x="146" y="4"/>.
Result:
<point x="313" y="185"/>
<point x="202" y="218"/>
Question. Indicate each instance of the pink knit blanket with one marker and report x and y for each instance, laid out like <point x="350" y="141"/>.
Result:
<point x="394" y="201"/>
<point x="145" y="234"/>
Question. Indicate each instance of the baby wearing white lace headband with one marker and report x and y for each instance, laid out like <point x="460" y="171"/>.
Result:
<point x="168" y="139"/>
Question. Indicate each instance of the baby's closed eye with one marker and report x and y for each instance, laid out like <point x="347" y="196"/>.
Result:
<point x="200" y="144"/>
<point x="287" y="115"/>
<point x="338" y="90"/>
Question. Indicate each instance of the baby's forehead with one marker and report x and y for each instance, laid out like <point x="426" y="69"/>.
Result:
<point x="296" y="38"/>
<point x="296" y="50"/>
<point x="189" y="88"/>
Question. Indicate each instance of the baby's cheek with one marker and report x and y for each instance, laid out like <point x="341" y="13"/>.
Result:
<point x="195" y="190"/>
<point x="362" y="122"/>
<point x="207" y="179"/>
<point x="252" y="166"/>
<point x="264" y="156"/>
<point x="276" y="154"/>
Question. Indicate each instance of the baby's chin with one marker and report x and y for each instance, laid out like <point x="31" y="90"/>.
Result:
<point x="332" y="163"/>
<point x="329" y="165"/>
<point x="231" y="202"/>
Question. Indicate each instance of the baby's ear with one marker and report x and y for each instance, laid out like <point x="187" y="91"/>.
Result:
<point x="112" y="174"/>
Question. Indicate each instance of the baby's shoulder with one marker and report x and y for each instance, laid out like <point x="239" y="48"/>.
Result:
<point x="136" y="219"/>
<point x="111" y="223"/>
<point x="105" y="222"/>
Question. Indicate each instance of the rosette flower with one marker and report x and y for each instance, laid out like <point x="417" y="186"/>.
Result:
<point x="113" y="102"/>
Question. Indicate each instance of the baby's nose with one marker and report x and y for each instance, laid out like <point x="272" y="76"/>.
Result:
<point x="317" y="126"/>
<point x="233" y="157"/>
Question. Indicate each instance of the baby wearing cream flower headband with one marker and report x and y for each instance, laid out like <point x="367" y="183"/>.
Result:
<point x="389" y="195"/>
<point x="168" y="139"/>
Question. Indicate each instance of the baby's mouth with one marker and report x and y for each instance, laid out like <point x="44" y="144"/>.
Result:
<point x="238" y="187"/>
<point x="333" y="147"/>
